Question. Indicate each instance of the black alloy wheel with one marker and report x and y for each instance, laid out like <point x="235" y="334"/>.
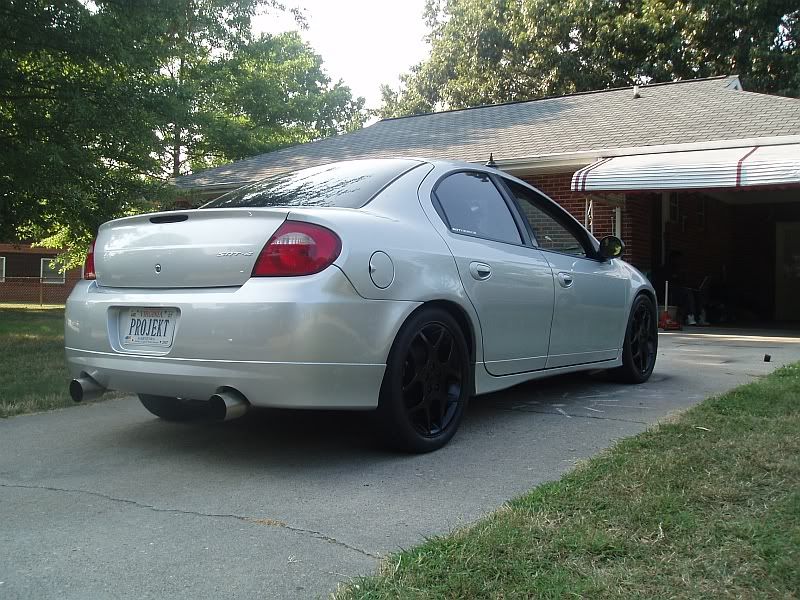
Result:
<point x="432" y="379"/>
<point x="426" y="385"/>
<point x="643" y="336"/>
<point x="641" y="343"/>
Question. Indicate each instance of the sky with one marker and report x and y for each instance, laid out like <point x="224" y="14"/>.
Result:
<point x="363" y="42"/>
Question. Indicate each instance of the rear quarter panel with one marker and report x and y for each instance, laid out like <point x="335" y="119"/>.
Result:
<point x="394" y="223"/>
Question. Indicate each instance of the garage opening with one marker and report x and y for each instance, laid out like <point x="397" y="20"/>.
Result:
<point x="725" y="223"/>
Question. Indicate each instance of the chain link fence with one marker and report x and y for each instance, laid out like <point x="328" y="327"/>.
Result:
<point x="36" y="290"/>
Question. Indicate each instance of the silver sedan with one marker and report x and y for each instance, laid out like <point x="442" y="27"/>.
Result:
<point x="404" y="286"/>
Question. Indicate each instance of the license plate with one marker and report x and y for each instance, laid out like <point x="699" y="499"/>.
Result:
<point x="148" y="326"/>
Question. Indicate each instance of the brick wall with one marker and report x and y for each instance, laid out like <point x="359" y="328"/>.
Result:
<point x="637" y="215"/>
<point x="23" y="283"/>
<point x="557" y="186"/>
<point x="640" y="222"/>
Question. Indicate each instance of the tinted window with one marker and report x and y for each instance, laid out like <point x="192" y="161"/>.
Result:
<point x="472" y="205"/>
<point x="548" y="232"/>
<point x="349" y="184"/>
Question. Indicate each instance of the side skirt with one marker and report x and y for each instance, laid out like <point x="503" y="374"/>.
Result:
<point x="486" y="383"/>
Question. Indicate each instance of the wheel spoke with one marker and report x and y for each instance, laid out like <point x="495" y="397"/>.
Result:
<point x="430" y="346"/>
<point x="417" y="407"/>
<point x="634" y="344"/>
<point x="447" y="348"/>
<point x="452" y="367"/>
<point x="642" y="340"/>
<point x="440" y="338"/>
<point x="415" y="379"/>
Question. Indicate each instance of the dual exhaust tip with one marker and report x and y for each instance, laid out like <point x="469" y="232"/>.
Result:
<point x="85" y="388"/>
<point x="223" y="406"/>
<point x="227" y="405"/>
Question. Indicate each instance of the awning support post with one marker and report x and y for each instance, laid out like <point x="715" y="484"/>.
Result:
<point x="588" y="215"/>
<point x="664" y="220"/>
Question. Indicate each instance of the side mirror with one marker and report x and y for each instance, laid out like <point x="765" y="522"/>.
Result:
<point x="611" y="247"/>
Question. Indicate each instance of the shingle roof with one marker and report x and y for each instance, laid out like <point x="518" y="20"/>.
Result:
<point x="697" y="110"/>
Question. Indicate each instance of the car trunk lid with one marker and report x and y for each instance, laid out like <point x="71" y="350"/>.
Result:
<point x="184" y="249"/>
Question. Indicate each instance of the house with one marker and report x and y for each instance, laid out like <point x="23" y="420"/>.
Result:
<point x="699" y="168"/>
<point x="28" y="274"/>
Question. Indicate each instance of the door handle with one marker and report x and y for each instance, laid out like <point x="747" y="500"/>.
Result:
<point x="565" y="279"/>
<point x="480" y="271"/>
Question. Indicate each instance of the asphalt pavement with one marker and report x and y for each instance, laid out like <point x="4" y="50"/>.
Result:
<point x="106" y="501"/>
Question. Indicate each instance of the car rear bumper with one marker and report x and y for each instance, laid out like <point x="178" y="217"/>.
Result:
<point x="280" y="385"/>
<point x="304" y="342"/>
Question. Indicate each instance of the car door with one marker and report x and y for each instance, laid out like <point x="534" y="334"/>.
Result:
<point x="591" y="294"/>
<point x="509" y="284"/>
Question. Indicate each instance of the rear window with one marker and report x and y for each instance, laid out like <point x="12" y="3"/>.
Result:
<point x="348" y="184"/>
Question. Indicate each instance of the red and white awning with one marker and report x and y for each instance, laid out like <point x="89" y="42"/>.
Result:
<point x="696" y="169"/>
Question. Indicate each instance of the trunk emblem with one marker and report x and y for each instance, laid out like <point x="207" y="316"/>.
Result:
<point x="158" y="268"/>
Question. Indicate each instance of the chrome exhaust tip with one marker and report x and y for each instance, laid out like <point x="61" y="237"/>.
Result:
<point x="85" y="388"/>
<point x="227" y="405"/>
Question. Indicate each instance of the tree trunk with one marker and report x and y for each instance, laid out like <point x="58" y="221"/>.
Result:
<point x="176" y="150"/>
<point x="177" y="127"/>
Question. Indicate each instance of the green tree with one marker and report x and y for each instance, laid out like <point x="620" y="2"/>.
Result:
<point x="78" y="112"/>
<point x="101" y="102"/>
<point x="270" y="92"/>
<point x="233" y="96"/>
<point x="193" y="34"/>
<point x="488" y="51"/>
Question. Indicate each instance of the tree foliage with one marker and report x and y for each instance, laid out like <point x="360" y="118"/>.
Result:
<point x="78" y="113"/>
<point x="233" y="95"/>
<point x="271" y="92"/>
<point x="489" y="51"/>
<point x="101" y="102"/>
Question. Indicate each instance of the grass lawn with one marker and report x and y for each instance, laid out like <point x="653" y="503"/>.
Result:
<point x="33" y="375"/>
<point x="704" y="506"/>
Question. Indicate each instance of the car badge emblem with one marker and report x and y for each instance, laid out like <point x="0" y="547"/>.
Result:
<point x="158" y="268"/>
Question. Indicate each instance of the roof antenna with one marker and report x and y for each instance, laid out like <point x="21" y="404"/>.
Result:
<point x="491" y="162"/>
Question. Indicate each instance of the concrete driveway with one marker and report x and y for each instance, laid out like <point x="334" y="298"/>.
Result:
<point x="106" y="501"/>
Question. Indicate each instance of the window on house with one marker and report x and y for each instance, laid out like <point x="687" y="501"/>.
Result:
<point x="50" y="272"/>
<point x="2" y="269"/>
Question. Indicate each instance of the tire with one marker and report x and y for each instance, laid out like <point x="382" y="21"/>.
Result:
<point x="169" y="409"/>
<point x="641" y="343"/>
<point x="427" y="383"/>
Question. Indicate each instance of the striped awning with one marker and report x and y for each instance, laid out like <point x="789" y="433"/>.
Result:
<point x="756" y="166"/>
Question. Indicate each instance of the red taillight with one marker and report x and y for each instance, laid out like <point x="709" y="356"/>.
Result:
<point x="297" y="248"/>
<point x="88" y="264"/>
